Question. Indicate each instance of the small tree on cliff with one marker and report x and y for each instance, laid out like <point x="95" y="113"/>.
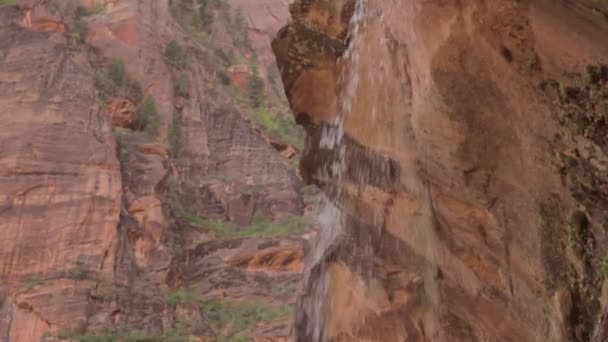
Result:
<point x="255" y="84"/>
<point x="175" y="56"/>
<point x="255" y="89"/>
<point x="117" y="72"/>
<point x="148" y="119"/>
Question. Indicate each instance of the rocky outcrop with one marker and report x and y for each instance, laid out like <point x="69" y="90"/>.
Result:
<point x="110" y="230"/>
<point x="263" y="19"/>
<point x="60" y="181"/>
<point x="456" y="224"/>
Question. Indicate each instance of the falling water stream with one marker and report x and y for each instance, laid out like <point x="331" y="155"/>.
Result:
<point x="331" y="219"/>
<point x="366" y="65"/>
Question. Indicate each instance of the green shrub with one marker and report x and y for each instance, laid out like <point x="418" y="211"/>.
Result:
<point x="114" y="334"/>
<point x="281" y="126"/>
<point x="175" y="56"/>
<point x="175" y="138"/>
<point x="84" y="11"/>
<point x="260" y="227"/>
<point x="105" y="84"/>
<point x="206" y="13"/>
<point x="147" y="117"/>
<point x="226" y="58"/>
<point x="135" y="91"/>
<point x="241" y="316"/>
<point x="255" y="90"/>
<point x="8" y="3"/>
<point x="31" y="282"/>
<point x="181" y="296"/>
<point x="115" y="81"/>
<point x="179" y="198"/>
<point x="602" y="3"/>
<point x="605" y="265"/>
<point x="282" y="291"/>
<point x="182" y="85"/>
<point x="223" y="77"/>
<point x="79" y="272"/>
<point x="126" y="87"/>
<point x="267" y="120"/>
<point x="237" y="338"/>
<point x="117" y="72"/>
<point x="223" y="313"/>
<point x="239" y="31"/>
<point x="81" y="28"/>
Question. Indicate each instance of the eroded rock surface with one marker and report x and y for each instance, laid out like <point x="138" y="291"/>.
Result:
<point x="457" y="221"/>
<point x="110" y="231"/>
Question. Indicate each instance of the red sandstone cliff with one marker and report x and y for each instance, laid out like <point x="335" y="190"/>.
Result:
<point x="141" y="203"/>
<point x="471" y="173"/>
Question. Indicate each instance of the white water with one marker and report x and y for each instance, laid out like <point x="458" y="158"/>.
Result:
<point x="357" y="78"/>
<point x="331" y="219"/>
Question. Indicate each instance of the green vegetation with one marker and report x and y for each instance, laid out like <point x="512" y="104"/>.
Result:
<point x="282" y="291"/>
<point x="252" y="97"/>
<point x="31" y="282"/>
<point x="225" y="58"/>
<point x="180" y="199"/>
<point x="195" y="15"/>
<point x="79" y="272"/>
<point x="605" y="265"/>
<point x="231" y="318"/>
<point x="182" y="85"/>
<point x="115" y="81"/>
<point x="176" y="56"/>
<point x="255" y="90"/>
<point x="175" y="138"/>
<point x="255" y="84"/>
<point x="603" y="3"/>
<point x="125" y="335"/>
<point x="80" y="13"/>
<point x="147" y="117"/>
<point x="241" y="316"/>
<point x="8" y="3"/>
<point x="83" y="11"/>
<point x="238" y="30"/>
<point x="280" y="125"/>
<point x="117" y="72"/>
<point x="585" y="103"/>
<point x="582" y="110"/>
<point x="223" y="77"/>
<point x="181" y="296"/>
<point x="582" y="236"/>
<point x="259" y="227"/>
<point x="81" y="29"/>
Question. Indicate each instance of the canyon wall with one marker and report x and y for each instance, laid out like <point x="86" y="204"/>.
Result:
<point x="139" y="197"/>
<point x="464" y="145"/>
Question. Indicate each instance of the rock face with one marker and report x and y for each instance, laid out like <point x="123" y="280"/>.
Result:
<point x="113" y="230"/>
<point x="459" y="220"/>
<point x="264" y="19"/>
<point x="60" y="180"/>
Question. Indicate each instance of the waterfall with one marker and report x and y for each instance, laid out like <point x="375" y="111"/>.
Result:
<point x="331" y="219"/>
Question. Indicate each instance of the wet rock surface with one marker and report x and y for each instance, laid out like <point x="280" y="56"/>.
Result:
<point x="454" y="218"/>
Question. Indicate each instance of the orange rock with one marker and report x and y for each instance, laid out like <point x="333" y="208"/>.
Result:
<point x="449" y="182"/>
<point x="289" y="152"/>
<point x="122" y="113"/>
<point x="280" y="259"/>
<point x="153" y="149"/>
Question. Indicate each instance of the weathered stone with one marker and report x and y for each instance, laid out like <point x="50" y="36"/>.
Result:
<point x="89" y="241"/>
<point x="122" y="113"/>
<point x="447" y="178"/>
